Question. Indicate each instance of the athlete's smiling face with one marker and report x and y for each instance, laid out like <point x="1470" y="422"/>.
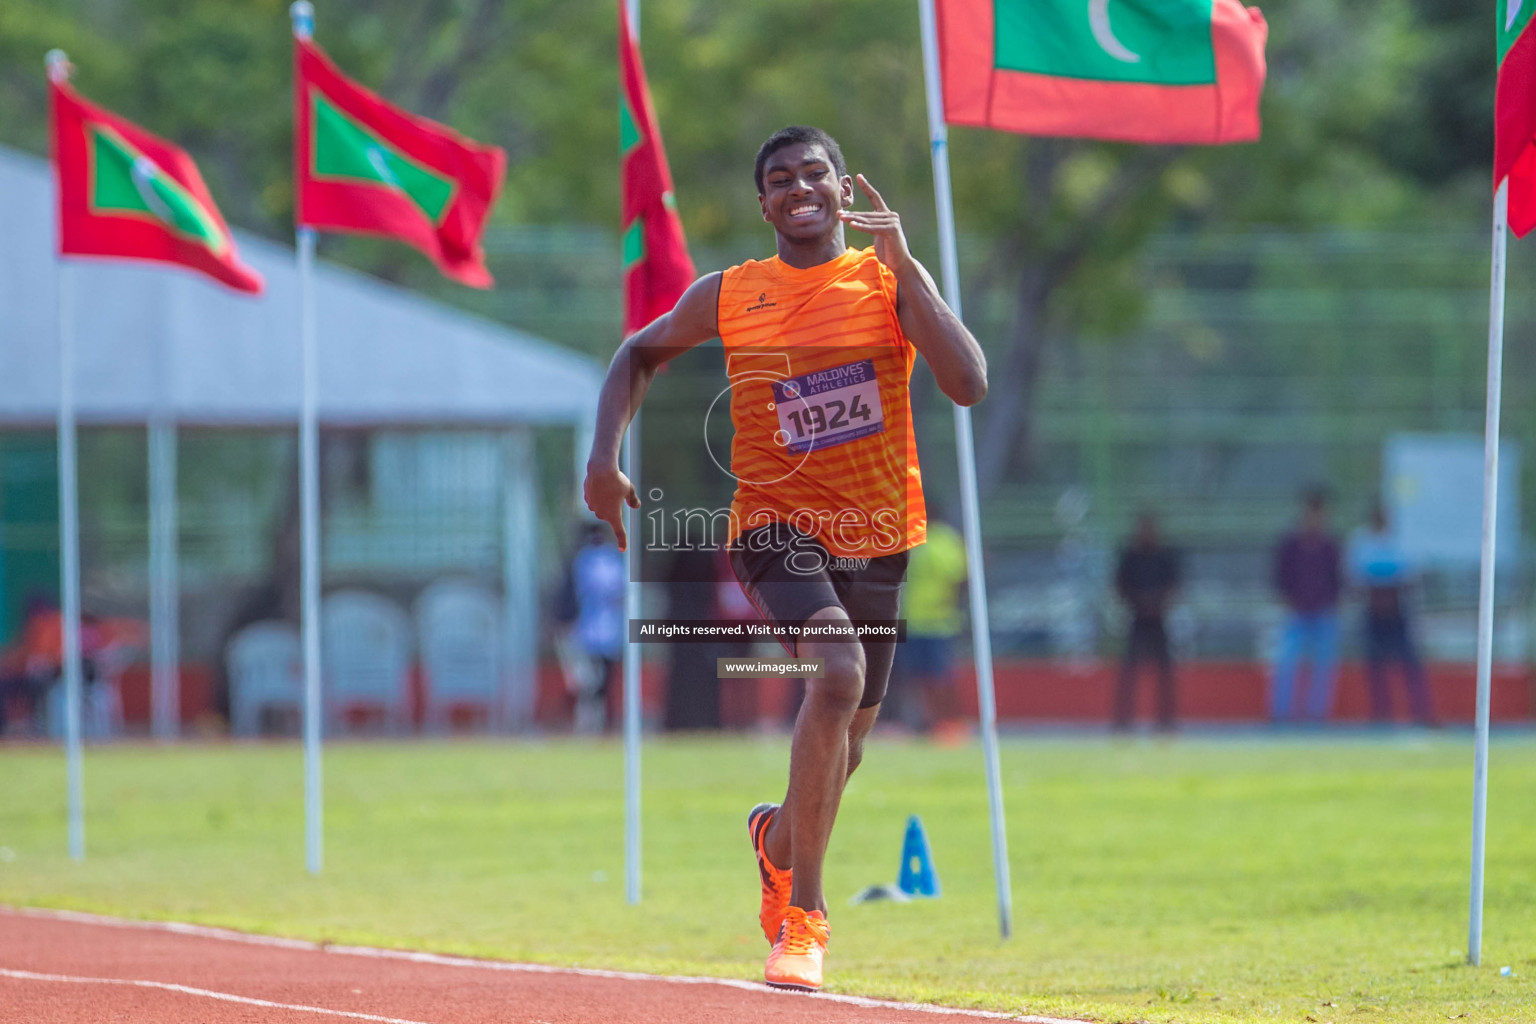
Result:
<point x="802" y="192"/>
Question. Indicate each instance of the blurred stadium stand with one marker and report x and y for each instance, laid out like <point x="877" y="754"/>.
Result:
<point x="1263" y="362"/>
<point x="447" y="441"/>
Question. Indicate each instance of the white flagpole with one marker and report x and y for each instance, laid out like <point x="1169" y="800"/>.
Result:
<point x="69" y="543"/>
<point x="164" y="571"/>
<point x="302" y="14"/>
<point x="632" y="611"/>
<point x="69" y="534"/>
<point x="1485" y="588"/>
<point x="164" y="592"/>
<point x="949" y="260"/>
<point x="632" y="683"/>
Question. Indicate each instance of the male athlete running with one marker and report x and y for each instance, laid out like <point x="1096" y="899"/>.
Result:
<point x="819" y="344"/>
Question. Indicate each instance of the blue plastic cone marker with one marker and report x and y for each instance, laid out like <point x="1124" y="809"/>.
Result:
<point x="918" y="877"/>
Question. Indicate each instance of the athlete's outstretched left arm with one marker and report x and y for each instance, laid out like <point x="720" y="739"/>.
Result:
<point x="926" y="319"/>
<point x="693" y="321"/>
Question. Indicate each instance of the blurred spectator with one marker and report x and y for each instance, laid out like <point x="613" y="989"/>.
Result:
<point x="930" y="602"/>
<point x="693" y="692"/>
<point x="31" y="663"/>
<point x="732" y="604"/>
<point x="591" y="648"/>
<point x="731" y="601"/>
<point x="34" y="664"/>
<point x="1378" y="567"/>
<point x="1147" y="580"/>
<point x="1309" y="579"/>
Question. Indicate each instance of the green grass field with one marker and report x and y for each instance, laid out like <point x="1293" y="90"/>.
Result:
<point x="1236" y="879"/>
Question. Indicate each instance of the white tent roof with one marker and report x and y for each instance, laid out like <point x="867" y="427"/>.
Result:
<point x="153" y="337"/>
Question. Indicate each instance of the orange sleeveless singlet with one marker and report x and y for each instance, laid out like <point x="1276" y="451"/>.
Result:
<point x="820" y="372"/>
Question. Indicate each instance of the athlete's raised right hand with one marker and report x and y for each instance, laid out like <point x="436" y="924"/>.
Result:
<point x="607" y="490"/>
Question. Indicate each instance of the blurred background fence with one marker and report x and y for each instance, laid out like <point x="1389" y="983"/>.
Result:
<point x="1263" y="362"/>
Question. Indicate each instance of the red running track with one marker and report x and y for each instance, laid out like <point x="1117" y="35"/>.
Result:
<point x="65" y="968"/>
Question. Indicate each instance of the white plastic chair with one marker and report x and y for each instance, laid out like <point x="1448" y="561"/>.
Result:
<point x="366" y="657"/>
<point x="265" y="669"/>
<point x="458" y="635"/>
<point x="101" y="710"/>
<point x="101" y="695"/>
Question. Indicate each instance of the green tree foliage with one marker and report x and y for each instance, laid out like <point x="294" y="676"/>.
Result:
<point x="1070" y="216"/>
<point x="1374" y="113"/>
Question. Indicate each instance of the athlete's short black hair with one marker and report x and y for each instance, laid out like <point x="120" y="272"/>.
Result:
<point x="803" y="133"/>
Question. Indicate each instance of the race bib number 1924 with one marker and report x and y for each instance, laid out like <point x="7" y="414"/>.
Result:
<point x="828" y="407"/>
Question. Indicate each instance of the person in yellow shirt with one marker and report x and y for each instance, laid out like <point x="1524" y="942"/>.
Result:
<point x="936" y="578"/>
<point x="820" y="341"/>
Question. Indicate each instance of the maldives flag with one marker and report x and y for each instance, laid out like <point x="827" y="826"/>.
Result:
<point x="128" y="194"/>
<point x="657" y="269"/>
<point x="1514" y="113"/>
<point x="1149" y="71"/>
<point x="362" y="165"/>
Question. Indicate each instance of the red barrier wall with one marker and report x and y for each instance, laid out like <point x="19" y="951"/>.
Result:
<point x="1042" y="690"/>
<point x="1028" y="690"/>
<point x="196" y="694"/>
<point x="1228" y="691"/>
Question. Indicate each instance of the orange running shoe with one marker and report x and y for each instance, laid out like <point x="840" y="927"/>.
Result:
<point x="795" y="962"/>
<point x="776" y="883"/>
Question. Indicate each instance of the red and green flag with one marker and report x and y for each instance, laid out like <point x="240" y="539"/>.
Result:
<point x="1148" y="71"/>
<point x="1514" y="113"/>
<point x="125" y="193"/>
<point x="657" y="269"/>
<point x="362" y="165"/>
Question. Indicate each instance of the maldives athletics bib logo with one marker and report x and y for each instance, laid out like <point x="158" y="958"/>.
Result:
<point x="362" y="165"/>
<point x="126" y="193"/>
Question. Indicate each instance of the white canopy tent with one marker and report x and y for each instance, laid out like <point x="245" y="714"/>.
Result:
<point x="160" y="341"/>
<point x="162" y="346"/>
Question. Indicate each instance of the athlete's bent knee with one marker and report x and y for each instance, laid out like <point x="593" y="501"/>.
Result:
<point x="843" y="684"/>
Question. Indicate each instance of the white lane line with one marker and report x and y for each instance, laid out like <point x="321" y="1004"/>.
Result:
<point x="440" y="960"/>
<point x="683" y="979"/>
<point x="203" y="992"/>
<point x="175" y="927"/>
